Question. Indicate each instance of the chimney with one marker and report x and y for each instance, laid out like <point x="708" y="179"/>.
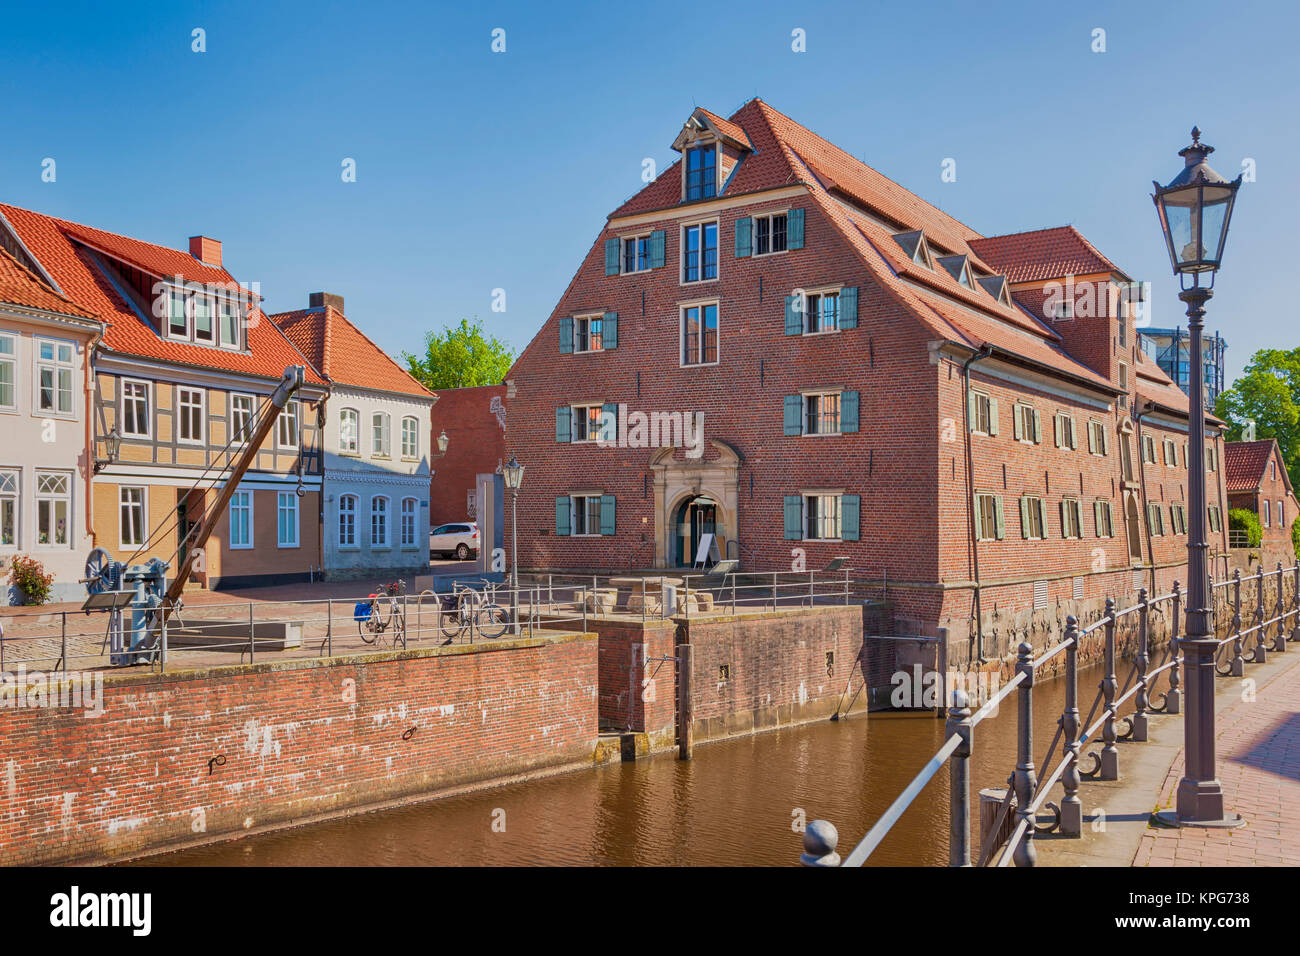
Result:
<point x="320" y="300"/>
<point x="207" y="251"/>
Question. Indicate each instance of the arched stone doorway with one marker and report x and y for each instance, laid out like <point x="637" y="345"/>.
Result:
<point x="692" y="496"/>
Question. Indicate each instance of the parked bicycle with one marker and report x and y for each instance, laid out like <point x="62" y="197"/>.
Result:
<point x="472" y="610"/>
<point x="380" y="612"/>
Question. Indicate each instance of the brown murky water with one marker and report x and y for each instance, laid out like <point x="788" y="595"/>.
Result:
<point x="734" y="803"/>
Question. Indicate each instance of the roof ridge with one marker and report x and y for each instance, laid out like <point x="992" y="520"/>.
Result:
<point x="108" y="232"/>
<point x="373" y="344"/>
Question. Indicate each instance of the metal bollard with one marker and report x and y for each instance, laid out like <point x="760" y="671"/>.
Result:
<point x="1109" y="752"/>
<point x="959" y="792"/>
<point x="1025" y="779"/>
<point x="819" y="841"/>
<point x="1279" y="642"/>
<point x="1174" y="696"/>
<point x="1139" y="721"/>
<point x="1071" y="805"/>
<point x="1238" y="662"/>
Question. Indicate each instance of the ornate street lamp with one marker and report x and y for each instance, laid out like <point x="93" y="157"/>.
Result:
<point x="443" y="442"/>
<point x="113" y="445"/>
<point x="1195" y="209"/>
<point x="514" y="476"/>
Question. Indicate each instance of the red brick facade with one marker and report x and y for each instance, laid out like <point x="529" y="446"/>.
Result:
<point x="474" y="420"/>
<point x="1258" y="481"/>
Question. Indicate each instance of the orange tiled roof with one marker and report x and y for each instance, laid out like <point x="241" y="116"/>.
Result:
<point x="68" y="252"/>
<point x="1244" y="463"/>
<point x="21" y="286"/>
<point x="343" y="353"/>
<point x="1042" y="254"/>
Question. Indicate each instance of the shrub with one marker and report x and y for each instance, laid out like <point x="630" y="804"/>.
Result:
<point x="1242" y="519"/>
<point x="1295" y="537"/>
<point x="30" y="578"/>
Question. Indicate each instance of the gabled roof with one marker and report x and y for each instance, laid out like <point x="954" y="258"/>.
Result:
<point x="1244" y="463"/>
<point x="77" y="258"/>
<point x="20" y="286"/>
<point x="343" y="353"/>
<point x="1042" y="254"/>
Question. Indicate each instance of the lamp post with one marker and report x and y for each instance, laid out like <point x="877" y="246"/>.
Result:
<point x="1195" y="209"/>
<point x="514" y="476"/>
<point x="113" y="444"/>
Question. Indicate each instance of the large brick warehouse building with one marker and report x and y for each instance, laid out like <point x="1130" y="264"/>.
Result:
<point x="972" y="417"/>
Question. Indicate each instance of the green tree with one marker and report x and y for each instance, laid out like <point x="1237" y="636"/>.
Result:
<point x="1268" y="392"/>
<point x="460" y="357"/>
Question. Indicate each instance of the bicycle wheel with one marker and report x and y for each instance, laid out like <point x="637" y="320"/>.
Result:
<point x="381" y="613"/>
<point x="450" y="622"/>
<point x="492" y="620"/>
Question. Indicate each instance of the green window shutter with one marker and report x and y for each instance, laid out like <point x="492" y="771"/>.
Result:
<point x="1096" y="517"/>
<point x="999" y="517"/>
<point x="609" y="422"/>
<point x="1042" y="515"/>
<point x="794" y="229"/>
<point x="611" y="257"/>
<point x="1016" y="426"/>
<point x="848" y="411"/>
<point x="1058" y="427"/>
<point x="972" y="413"/>
<point x="1092" y="442"/>
<point x="993" y="416"/>
<point x="562" y="514"/>
<point x="563" y="423"/>
<point x="979" y="518"/>
<point x="850" y="517"/>
<point x="793" y="317"/>
<point x="744" y="237"/>
<point x="656" y="251"/>
<point x="609" y="331"/>
<point x="1065" y="527"/>
<point x="849" y="307"/>
<point x="794" y="414"/>
<point x="606" y="514"/>
<point x="1074" y="434"/>
<point x="566" y="335"/>
<point x="793" y="518"/>
<point x="1038" y="427"/>
<point x="1024" y="518"/>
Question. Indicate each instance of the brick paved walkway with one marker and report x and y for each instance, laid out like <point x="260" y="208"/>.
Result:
<point x="1259" y="766"/>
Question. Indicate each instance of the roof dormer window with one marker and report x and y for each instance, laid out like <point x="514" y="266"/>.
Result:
<point x="958" y="267"/>
<point x="917" y="249"/>
<point x="205" y="316"/>
<point x="702" y="172"/>
<point x="996" y="286"/>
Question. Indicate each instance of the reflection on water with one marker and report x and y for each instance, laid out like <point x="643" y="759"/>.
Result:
<point x="735" y="803"/>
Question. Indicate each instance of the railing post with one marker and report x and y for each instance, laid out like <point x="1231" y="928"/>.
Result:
<point x="1025" y="779"/>
<point x="812" y="589"/>
<point x="1071" y="805"/>
<point x="819" y="841"/>
<point x="1295" y="605"/>
<point x="774" y="573"/>
<point x="1261" y="650"/>
<point x="733" y="596"/>
<point x="1279" y="642"/>
<point x="1174" y="696"/>
<point x="1238" y="662"/>
<point x="959" y="806"/>
<point x="329" y="626"/>
<point x="63" y="640"/>
<point x="1109" y="752"/>
<point x="251" y="641"/>
<point x="404" y="621"/>
<point x="1143" y="660"/>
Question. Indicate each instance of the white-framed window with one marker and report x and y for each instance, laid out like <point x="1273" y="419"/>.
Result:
<point x="54" y="376"/>
<point x="1170" y="452"/>
<point x="135" y="415"/>
<point x="241" y="520"/>
<point x="178" y="314"/>
<point x="585" y="514"/>
<point x="131" y="512"/>
<point x="349" y="431"/>
<point x="1265" y="514"/>
<point x="1281" y="515"/>
<point x="189" y="411"/>
<point x="409" y="511"/>
<point x="983" y="413"/>
<point x="636" y="253"/>
<point x="822" y="515"/>
<point x="241" y="417"/>
<point x="769" y="234"/>
<point x="9" y="505"/>
<point x="1155" y="520"/>
<point x="699" y="334"/>
<point x="286" y="519"/>
<point x="379" y="522"/>
<point x="1033" y="518"/>
<point x="990" y="523"/>
<point x="381" y="440"/>
<point x="700" y="252"/>
<point x="1071" y="518"/>
<point x="1215" y="517"/>
<point x="204" y="318"/>
<point x="228" y="323"/>
<point x="701" y="172"/>
<point x="1178" y="518"/>
<point x="821" y="413"/>
<point x="53" y="508"/>
<point x="1064" y="425"/>
<point x="8" y="371"/>
<point x="1211" y="458"/>
<point x="821" y="312"/>
<point x="410" y="437"/>
<point x="588" y="333"/>
<point x="1097" y="439"/>
<point x="1148" y="449"/>
<point x="587" y="421"/>
<point x="287" y="426"/>
<point x="347" y="520"/>
<point x="1028" y="423"/>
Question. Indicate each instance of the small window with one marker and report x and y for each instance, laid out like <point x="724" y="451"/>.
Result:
<point x="1266" y="514"/>
<point x="379" y="522"/>
<point x="981" y="413"/>
<point x="769" y="234"/>
<point x="587" y="421"/>
<point x="700" y="252"/>
<point x="1272" y="470"/>
<point x="585" y="514"/>
<point x="190" y="413"/>
<point x="821" y="312"/>
<point x="1028" y="423"/>
<point x="241" y="519"/>
<point x="822" y="413"/>
<point x="348" y="521"/>
<point x="1065" y="431"/>
<point x="588" y="333"/>
<point x="381" y="444"/>
<point x="1033" y="523"/>
<point x="53" y="508"/>
<point x="349" y="431"/>
<point x="135" y="408"/>
<point x="822" y="515"/>
<point x="229" y="323"/>
<point x="203" y="319"/>
<point x="1071" y="519"/>
<point x="8" y="509"/>
<point x="1148" y="449"/>
<point x="700" y="334"/>
<point x="1104" y="519"/>
<point x="1170" y="452"/>
<point x="288" y="431"/>
<point x="131" y="517"/>
<point x="408" y="522"/>
<point x="989" y="518"/>
<point x="410" y="438"/>
<point x="1097" y="439"/>
<point x="241" y="418"/>
<point x="286" y="519"/>
<point x="54" y="376"/>
<point x="8" y="371"/>
<point x="702" y="172"/>
<point x="178" y="320"/>
<point x="636" y="254"/>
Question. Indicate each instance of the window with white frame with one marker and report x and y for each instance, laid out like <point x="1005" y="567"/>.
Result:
<point x="9" y="497"/>
<point x="135" y="408"/>
<point x="349" y="431"/>
<point x="347" y="521"/>
<point x="700" y="252"/>
<point x="410" y="437"/>
<point x="131" y="516"/>
<point x="1033" y="518"/>
<point x="588" y="333"/>
<point x="286" y="519"/>
<point x="178" y="317"/>
<point x="1170" y="453"/>
<point x="1178" y="518"/>
<point x="821" y="413"/>
<point x="981" y="409"/>
<point x="822" y="517"/>
<point x="204" y="309"/>
<point x="769" y="234"/>
<point x="1065" y="431"/>
<point x="587" y="422"/>
<point x="1027" y="422"/>
<point x="1148" y="449"/>
<point x="54" y="388"/>
<point x="408" y="522"/>
<point x="821" y="312"/>
<point x="287" y="425"/>
<point x="1103" y="519"/>
<point x="989" y="519"/>
<point x="379" y="522"/>
<point x="1265" y="514"/>
<point x="585" y="514"/>
<point x="241" y="418"/>
<point x="1097" y="438"/>
<point x="53" y="507"/>
<point x="228" y="323"/>
<point x="700" y="334"/>
<point x="241" y="519"/>
<point x="189" y="410"/>
<point x="381" y="440"/>
<point x="8" y="371"/>
<point x="636" y="253"/>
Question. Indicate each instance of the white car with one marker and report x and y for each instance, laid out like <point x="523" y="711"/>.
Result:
<point x="459" y="539"/>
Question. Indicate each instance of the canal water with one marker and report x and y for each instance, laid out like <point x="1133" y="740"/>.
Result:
<point x="736" y="803"/>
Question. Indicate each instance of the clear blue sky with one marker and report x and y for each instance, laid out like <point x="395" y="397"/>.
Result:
<point x="478" y="170"/>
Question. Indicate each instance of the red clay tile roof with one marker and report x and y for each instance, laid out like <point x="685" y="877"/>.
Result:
<point x="343" y="353"/>
<point x="1244" y="463"/>
<point x="1043" y="254"/>
<point x="21" y="286"/>
<point x="726" y="127"/>
<point x="64" y="251"/>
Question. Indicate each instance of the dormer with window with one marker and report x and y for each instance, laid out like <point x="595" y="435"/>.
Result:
<point x="917" y="249"/>
<point x="996" y="286"/>
<point x="711" y="148"/>
<point x="958" y="267"/>
<point x="204" y="316"/>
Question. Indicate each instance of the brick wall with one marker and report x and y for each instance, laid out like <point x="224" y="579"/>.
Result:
<point x="476" y="444"/>
<point x="301" y="740"/>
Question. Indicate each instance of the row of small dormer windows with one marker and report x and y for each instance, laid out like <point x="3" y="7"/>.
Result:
<point x="204" y="317"/>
